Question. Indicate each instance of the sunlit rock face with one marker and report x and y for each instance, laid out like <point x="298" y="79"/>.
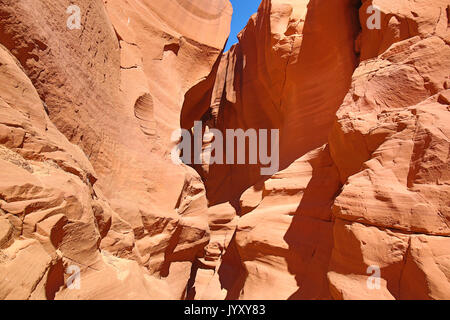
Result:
<point x="357" y="208"/>
<point x="391" y="146"/>
<point x="112" y="90"/>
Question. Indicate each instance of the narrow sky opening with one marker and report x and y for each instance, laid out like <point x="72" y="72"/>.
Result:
<point x="242" y="11"/>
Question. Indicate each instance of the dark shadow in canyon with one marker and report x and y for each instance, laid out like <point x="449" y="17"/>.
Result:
<point x="303" y="108"/>
<point x="310" y="235"/>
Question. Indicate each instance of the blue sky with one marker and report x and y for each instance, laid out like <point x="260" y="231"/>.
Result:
<point x="242" y="11"/>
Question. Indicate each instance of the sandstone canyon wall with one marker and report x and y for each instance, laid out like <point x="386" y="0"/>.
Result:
<point x="86" y="179"/>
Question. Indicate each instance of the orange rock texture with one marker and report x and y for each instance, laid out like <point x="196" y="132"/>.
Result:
<point x="359" y="205"/>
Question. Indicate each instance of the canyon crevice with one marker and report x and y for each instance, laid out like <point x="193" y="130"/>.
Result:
<point x="86" y="131"/>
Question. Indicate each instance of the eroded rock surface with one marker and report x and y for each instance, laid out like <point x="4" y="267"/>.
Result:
<point x="95" y="107"/>
<point x="364" y="112"/>
<point x="86" y="177"/>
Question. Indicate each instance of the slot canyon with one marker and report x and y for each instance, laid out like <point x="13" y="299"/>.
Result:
<point x="87" y="117"/>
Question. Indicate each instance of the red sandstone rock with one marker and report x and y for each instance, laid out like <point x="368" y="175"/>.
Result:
<point x="87" y="183"/>
<point x="390" y="144"/>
